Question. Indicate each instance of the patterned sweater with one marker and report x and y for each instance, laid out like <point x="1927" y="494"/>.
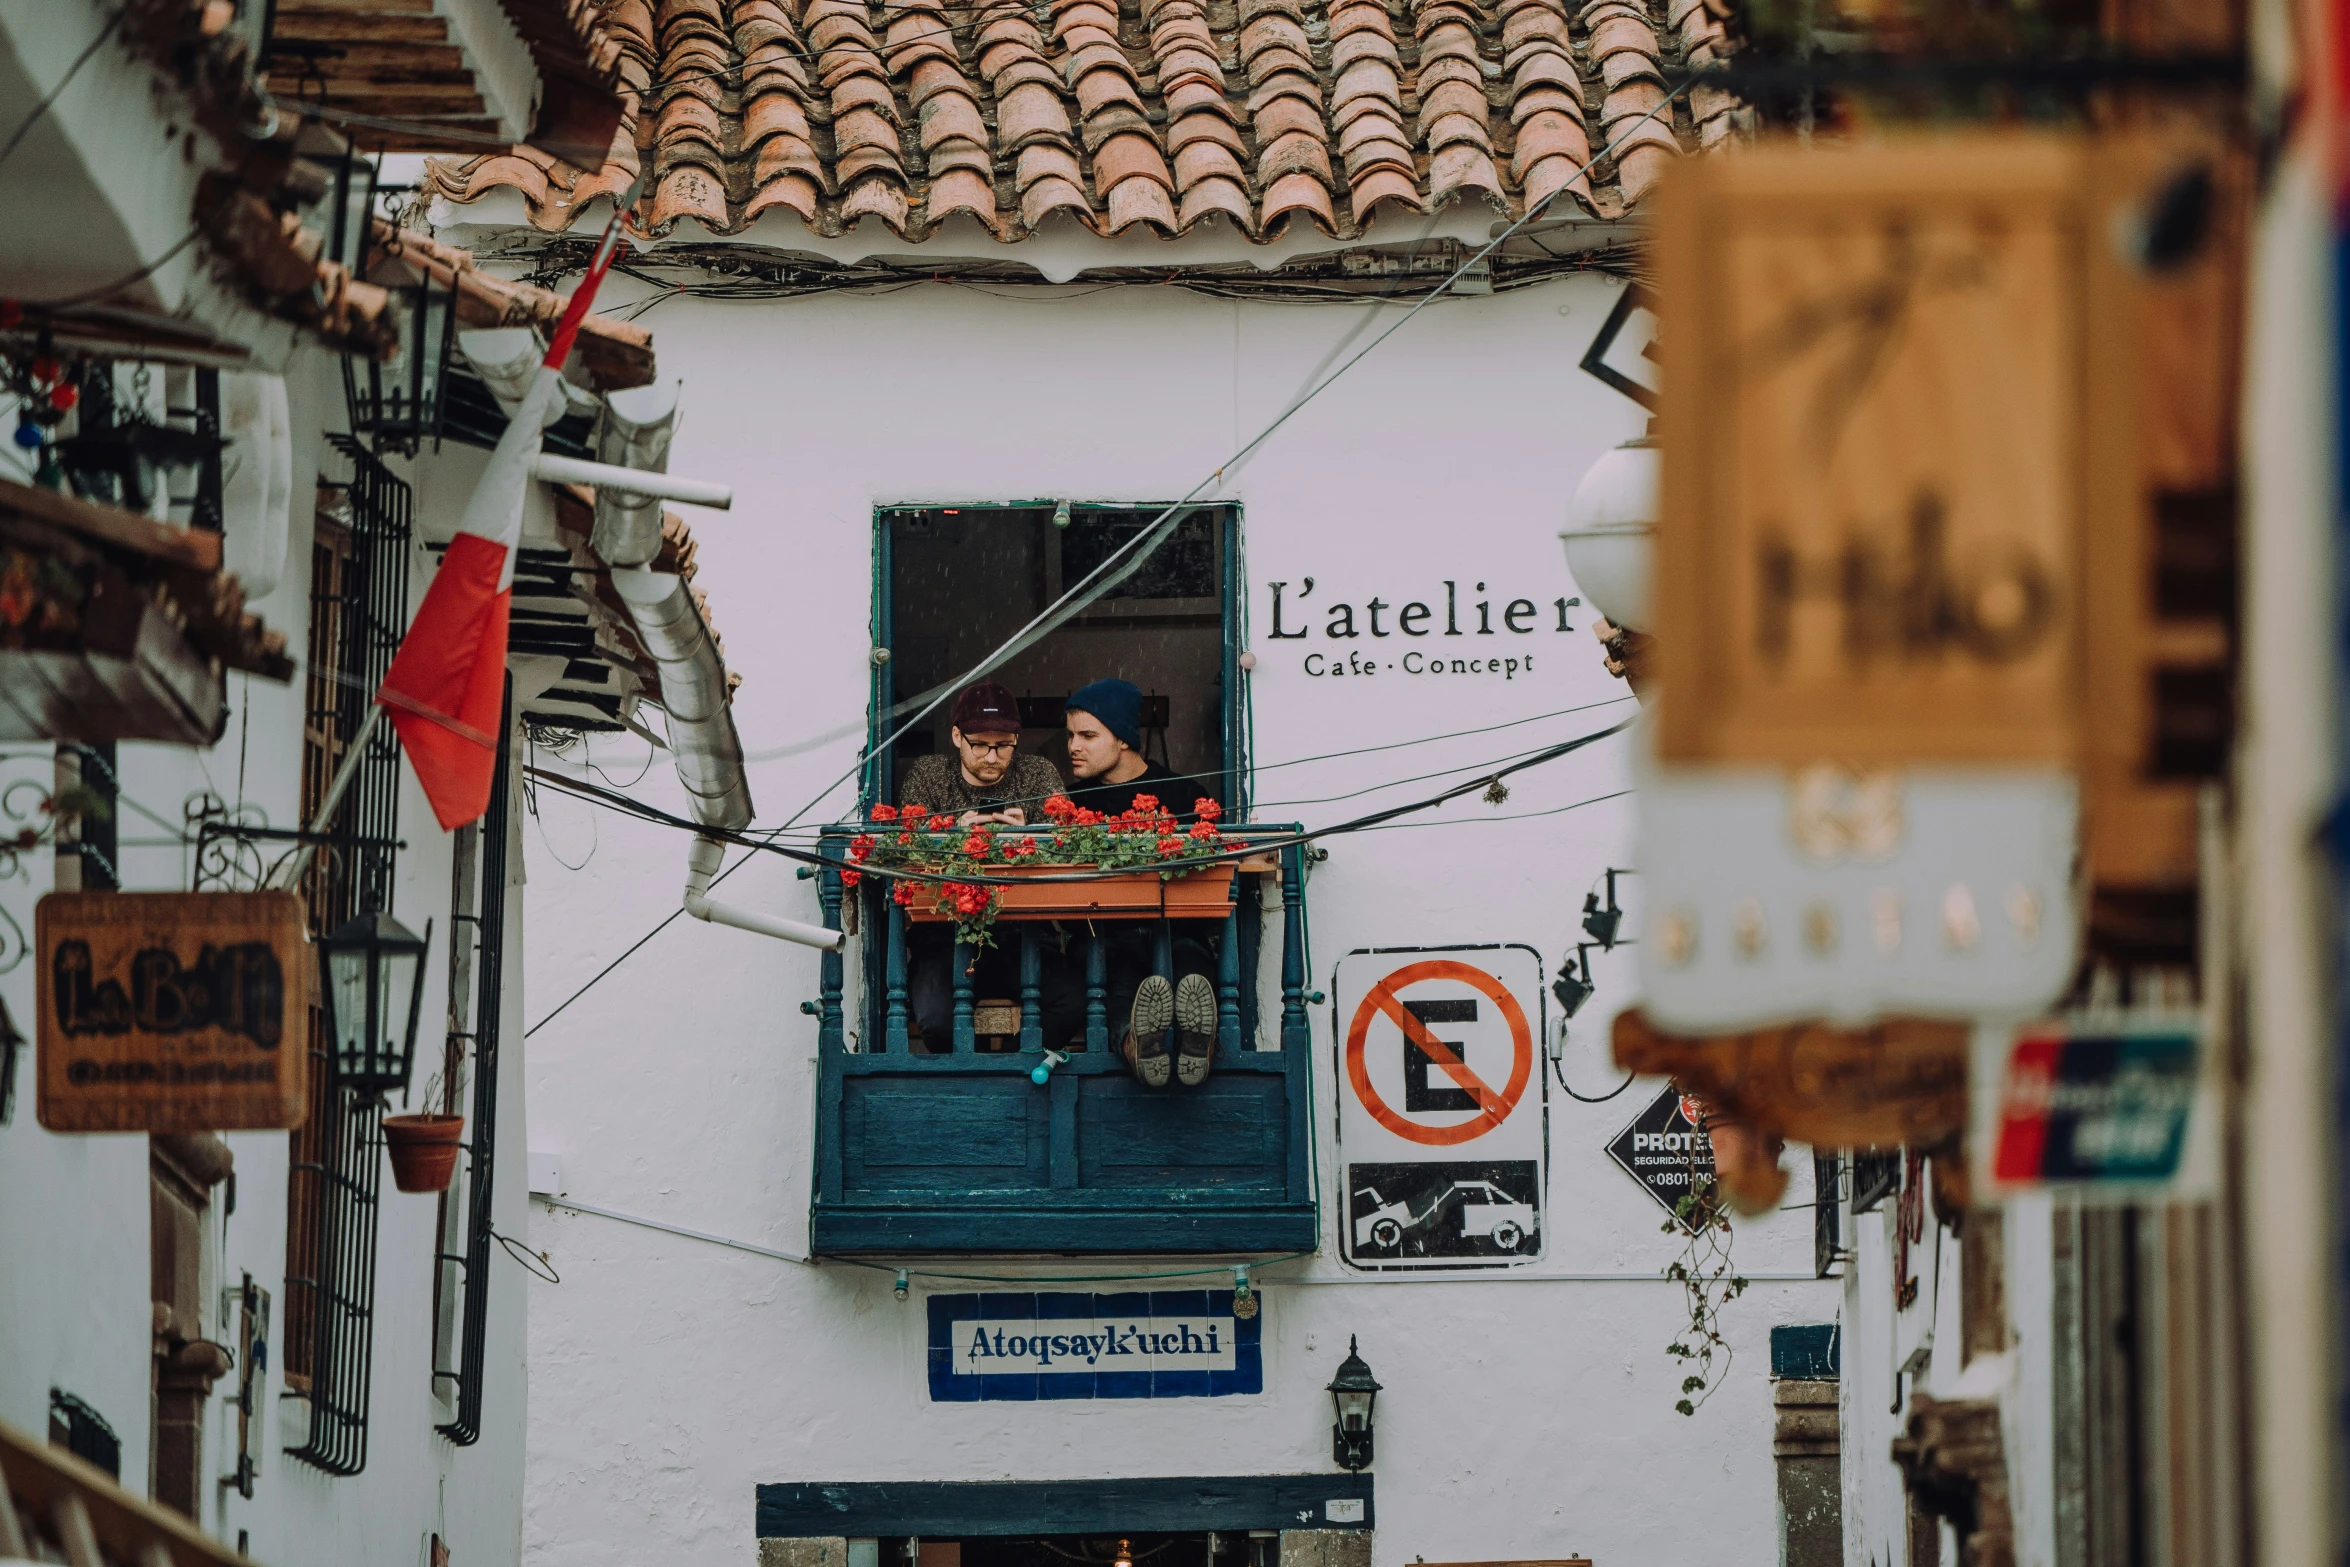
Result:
<point x="937" y="783"/>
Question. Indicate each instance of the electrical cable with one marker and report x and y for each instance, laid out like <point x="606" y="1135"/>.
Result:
<point x="1101" y="579"/>
<point x="1560" y="1073"/>
<point x="1250" y="848"/>
<point x="39" y="109"/>
<point x="622" y="802"/>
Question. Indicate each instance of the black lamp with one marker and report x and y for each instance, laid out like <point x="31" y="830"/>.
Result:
<point x="1354" y="1390"/>
<point x="402" y="402"/>
<point x="374" y="970"/>
<point x="1573" y="987"/>
<point x="1601" y="925"/>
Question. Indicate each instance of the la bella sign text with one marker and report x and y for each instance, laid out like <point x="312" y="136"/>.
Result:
<point x="1379" y="637"/>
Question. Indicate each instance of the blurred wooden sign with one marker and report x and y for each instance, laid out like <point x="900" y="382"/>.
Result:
<point x="172" y="1011"/>
<point x="1902" y="1082"/>
<point x="1897" y="396"/>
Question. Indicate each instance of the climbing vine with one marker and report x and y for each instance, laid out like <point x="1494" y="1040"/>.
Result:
<point x="1708" y="1283"/>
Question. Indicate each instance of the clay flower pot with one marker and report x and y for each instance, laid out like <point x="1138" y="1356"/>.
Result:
<point x="424" y="1150"/>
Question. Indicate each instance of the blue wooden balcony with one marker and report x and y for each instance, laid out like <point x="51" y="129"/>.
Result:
<point x="951" y="1149"/>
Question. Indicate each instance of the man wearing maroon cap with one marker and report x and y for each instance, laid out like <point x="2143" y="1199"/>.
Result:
<point x="985" y="780"/>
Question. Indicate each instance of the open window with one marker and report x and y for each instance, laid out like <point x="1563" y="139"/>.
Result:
<point x="956" y="582"/>
<point x="943" y="1125"/>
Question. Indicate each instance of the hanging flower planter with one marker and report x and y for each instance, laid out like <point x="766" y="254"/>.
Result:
<point x="1205" y="890"/>
<point x="1148" y="865"/>
<point x="424" y="1150"/>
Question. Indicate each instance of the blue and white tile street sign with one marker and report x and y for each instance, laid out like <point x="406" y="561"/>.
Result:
<point x="1050" y="1345"/>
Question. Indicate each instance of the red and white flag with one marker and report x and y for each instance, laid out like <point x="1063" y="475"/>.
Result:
<point x="445" y="691"/>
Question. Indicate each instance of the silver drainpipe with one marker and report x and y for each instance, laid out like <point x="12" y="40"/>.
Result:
<point x="634" y="429"/>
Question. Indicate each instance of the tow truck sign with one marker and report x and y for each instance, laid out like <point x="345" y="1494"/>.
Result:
<point x="1441" y="1110"/>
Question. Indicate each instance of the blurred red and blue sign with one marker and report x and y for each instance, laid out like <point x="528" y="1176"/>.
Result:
<point x="2079" y="1105"/>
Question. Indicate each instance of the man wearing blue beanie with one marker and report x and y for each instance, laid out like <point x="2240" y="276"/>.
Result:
<point x="1105" y="755"/>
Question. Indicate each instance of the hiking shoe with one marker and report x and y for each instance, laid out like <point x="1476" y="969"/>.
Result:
<point x="1195" y="1029"/>
<point x="1145" y="1047"/>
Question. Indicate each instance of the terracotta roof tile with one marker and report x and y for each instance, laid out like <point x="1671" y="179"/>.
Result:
<point x="1117" y="113"/>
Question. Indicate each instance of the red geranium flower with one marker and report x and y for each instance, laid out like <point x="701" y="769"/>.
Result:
<point x="1087" y="817"/>
<point x="1171" y="844"/>
<point x="885" y="813"/>
<point x="1059" y="808"/>
<point x="977" y="844"/>
<point x="1204" y="831"/>
<point x="1145" y="805"/>
<point x="861" y="847"/>
<point x="902" y="894"/>
<point x="1207" y="809"/>
<point x="851" y="878"/>
<point x="905" y="838"/>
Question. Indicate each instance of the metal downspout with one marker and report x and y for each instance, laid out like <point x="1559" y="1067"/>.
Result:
<point x="702" y="737"/>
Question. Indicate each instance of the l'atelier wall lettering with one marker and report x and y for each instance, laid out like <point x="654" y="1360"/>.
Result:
<point x="1364" y="640"/>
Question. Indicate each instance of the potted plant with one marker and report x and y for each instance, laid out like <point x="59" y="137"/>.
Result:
<point x="1142" y="862"/>
<point x="424" y="1146"/>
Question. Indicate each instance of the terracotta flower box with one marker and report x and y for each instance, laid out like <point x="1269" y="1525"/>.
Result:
<point x="1202" y="894"/>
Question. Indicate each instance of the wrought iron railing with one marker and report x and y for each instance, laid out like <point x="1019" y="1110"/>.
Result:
<point x="334" y="1195"/>
<point x="473" y="1264"/>
<point x="958" y="1148"/>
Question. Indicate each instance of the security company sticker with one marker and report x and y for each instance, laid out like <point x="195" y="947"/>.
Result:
<point x="1441" y="1106"/>
<point x="1023" y="1347"/>
<point x="1664" y="1150"/>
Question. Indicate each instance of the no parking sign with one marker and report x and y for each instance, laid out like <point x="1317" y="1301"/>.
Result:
<point x="1441" y="1106"/>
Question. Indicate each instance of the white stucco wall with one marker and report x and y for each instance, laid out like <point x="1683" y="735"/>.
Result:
<point x="1528" y="1416"/>
<point x="74" y="1284"/>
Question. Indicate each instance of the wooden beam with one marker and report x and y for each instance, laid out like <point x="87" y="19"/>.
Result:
<point x="422" y="141"/>
<point x="111" y="525"/>
<point x="51" y="1482"/>
<point x="458" y="97"/>
<point x="432" y="110"/>
<point x="359" y="29"/>
<point x="401" y="60"/>
<point x="388" y="76"/>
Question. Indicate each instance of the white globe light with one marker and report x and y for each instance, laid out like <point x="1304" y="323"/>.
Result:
<point x="1610" y="534"/>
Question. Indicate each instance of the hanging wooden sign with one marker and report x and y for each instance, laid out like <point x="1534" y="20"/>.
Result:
<point x="1898" y="401"/>
<point x="172" y="1011"/>
<point x="1902" y="1082"/>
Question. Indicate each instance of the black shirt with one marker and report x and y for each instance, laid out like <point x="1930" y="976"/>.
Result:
<point x="1177" y="794"/>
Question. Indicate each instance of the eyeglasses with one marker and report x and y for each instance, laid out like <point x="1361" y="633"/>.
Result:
<point x="990" y="747"/>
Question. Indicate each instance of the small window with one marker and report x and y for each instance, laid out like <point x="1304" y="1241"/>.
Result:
<point x="957" y="582"/>
<point x="83" y="1432"/>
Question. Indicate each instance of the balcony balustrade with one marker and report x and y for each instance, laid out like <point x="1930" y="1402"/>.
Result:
<point x="955" y="1149"/>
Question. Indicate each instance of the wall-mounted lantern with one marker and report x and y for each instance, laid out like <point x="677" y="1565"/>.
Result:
<point x="402" y="402"/>
<point x="1354" y="1390"/>
<point x="1610" y="533"/>
<point x="374" y="969"/>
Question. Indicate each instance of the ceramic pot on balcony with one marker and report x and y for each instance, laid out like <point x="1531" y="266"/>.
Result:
<point x="424" y="1150"/>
